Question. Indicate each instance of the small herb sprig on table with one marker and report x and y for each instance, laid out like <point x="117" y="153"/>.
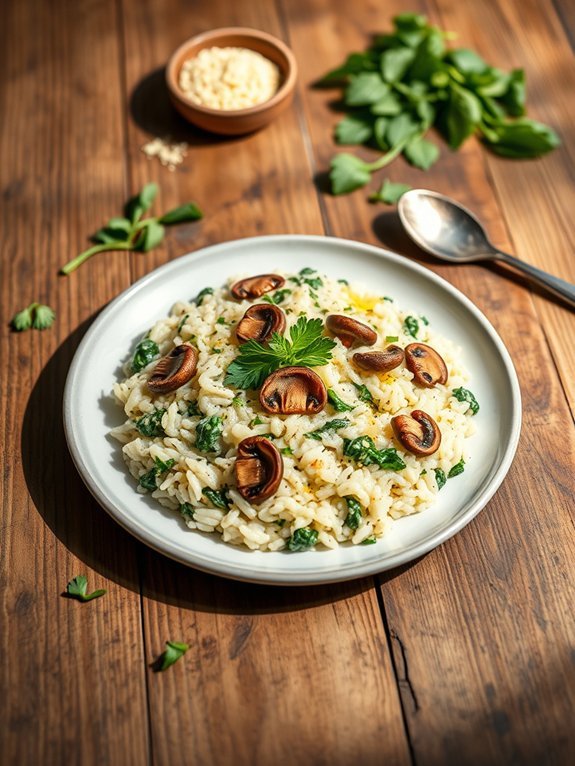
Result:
<point x="308" y="347"/>
<point x="132" y="232"/>
<point x="78" y="589"/>
<point x="36" y="316"/>
<point x="409" y="81"/>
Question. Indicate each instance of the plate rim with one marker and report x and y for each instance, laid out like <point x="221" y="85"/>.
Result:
<point x="353" y="570"/>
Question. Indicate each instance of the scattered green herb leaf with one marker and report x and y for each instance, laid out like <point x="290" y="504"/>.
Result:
<point x="371" y="540"/>
<point x="150" y="424"/>
<point x="277" y="297"/>
<point x="149" y="479"/>
<point x="208" y="432"/>
<point x="338" y="404"/>
<point x="331" y="425"/>
<point x="456" y="469"/>
<point x="78" y="588"/>
<point x="286" y="451"/>
<point x="465" y="395"/>
<point x="218" y="498"/>
<point x="187" y="510"/>
<point x="146" y="350"/>
<point x="411" y="326"/>
<point x="389" y="193"/>
<point x="202" y="294"/>
<point x="36" y="316"/>
<point x="363" y="450"/>
<point x="132" y="233"/>
<point x="353" y="518"/>
<point x="440" y="477"/>
<point x="193" y="410"/>
<point x="391" y="338"/>
<point x="172" y="653"/>
<point x="302" y="539"/>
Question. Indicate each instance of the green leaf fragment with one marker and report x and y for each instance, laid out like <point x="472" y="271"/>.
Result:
<point x="182" y="214"/>
<point x="338" y="404"/>
<point x="302" y="539"/>
<point x="353" y="518"/>
<point x="364" y="89"/>
<point x="390" y="193"/>
<point x="421" y="153"/>
<point x="218" y="498"/>
<point x="465" y="395"/>
<point x="78" y="589"/>
<point x="440" y="477"/>
<point x="150" y="424"/>
<point x="348" y="173"/>
<point x="331" y="425"/>
<point x="353" y="130"/>
<point x="363" y="450"/>
<point x="202" y="294"/>
<point x="145" y="352"/>
<point x="173" y="652"/>
<point x="456" y="469"/>
<point x="208" y="432"/>
<point x="149" y="236"/>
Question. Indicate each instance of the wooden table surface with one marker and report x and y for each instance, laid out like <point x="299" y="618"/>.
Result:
<point x="465" y="656"/>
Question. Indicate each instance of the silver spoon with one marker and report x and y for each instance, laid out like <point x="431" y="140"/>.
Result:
<point x="449" y="231"/>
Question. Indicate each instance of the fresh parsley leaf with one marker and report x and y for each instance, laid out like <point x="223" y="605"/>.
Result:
<point x="465" y="395"/>
<point x="353" y="518"/>
<point x="456" y="469"/>
<point x="208" y="432"/>
<point x="173" y="652"/>
<point x="150" y="424"/>
<point x="463" y="115"/>
<point x="354" y="64"/>
<point x="331" y="425"/>
<point x="36" y="316"/>
<point x="193" y="410"/>
<point x="218" y="498"/>
<point x="363" y="450"/>
<point x="348" y="173"/>
<point x="353" y="130"/>
<point x="371" y="540"/>
<point x="365" y="88"/>
<point x="78" y="589"/>
<point x="467" y="61"/>
<point x="307" y="347"/>
<point x="364" y="394"/>
<point x="338" y="404"/>
<point x="421" y="153"/>
<point x="131" y="232"/>
<point x="390" y="193"/>
<point x="395" y="63"/>
<point x="440" y="477"/>
<point x="302" y="539"/>
<point x="286" y="451"/>
<point x="146" y="350"/>
<point x="277" y="297"/>
<point x="411" y="326"/>
<point x="522" y="139"/>
<point x="182" y="214"/>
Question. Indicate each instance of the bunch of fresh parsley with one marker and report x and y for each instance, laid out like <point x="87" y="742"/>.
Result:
<point x="132" y="232"/>
<point x="308" y="347"/>
<point x="409" y="81"/>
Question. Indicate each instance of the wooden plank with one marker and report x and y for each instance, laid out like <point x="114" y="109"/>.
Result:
<point x="483" y="672"/>
<point x="272" y="675"/>
<point x="71" y="681"/>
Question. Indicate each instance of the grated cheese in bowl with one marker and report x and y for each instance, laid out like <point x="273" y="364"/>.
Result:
<point x="229" y="78"/>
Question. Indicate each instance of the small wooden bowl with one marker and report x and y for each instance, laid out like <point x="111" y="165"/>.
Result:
<point x="233" y="122"/>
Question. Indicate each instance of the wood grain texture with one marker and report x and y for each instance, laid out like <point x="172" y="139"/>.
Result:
<point x="71" y="678"/>
<point x="484" y="674"/>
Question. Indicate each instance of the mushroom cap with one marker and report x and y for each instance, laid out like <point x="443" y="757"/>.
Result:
<point x="255" y="287"/>
<point x="426" y="364"/>
<point x="418" y="432"/>
<point x="350" y="331"/>
<point x="259" y="322"/>
<point x="293" y="391"/>
<point x="379" y="361"/>
<point x="174" y="370"/>
<point x="258" y="468"/>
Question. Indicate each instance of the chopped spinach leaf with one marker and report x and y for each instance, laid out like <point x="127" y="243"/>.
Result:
<point x="208" y="432"/>
<point x="331" y="425"/>
<point x="369" y="540"/>
<point x="187" y="510"/>
<point x="302" y="539"/>
<point x="353" y="518"/>
<point x="363" y="450"/>
<point x="146" y="350"/>
<point x="411" y="326"/>
<point x="465" y="395"/>
<point x="150" y="424"/>
<point x="202" y="294"/>
<point x="338" y="404"/>
<point x="456" y="469"/>
<point x="440" y="477"/>
<point x="148" y="480"/>
<point x="218" y="498"/>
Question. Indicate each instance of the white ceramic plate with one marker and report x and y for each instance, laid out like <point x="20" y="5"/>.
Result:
<point x="90" y="411"/>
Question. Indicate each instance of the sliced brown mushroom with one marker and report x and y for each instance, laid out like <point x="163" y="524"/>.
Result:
<point x="379" y="361"/>
<point x="259" y="468"/>
<point x="293" y="391"/>
<point x="426" y="364"/>
<point x="350" y="331"/>
<point x="418" y="432"/>
<point x="259" y="322"/>
<point x="255" y="287"/>
<point x="174" y="369"/>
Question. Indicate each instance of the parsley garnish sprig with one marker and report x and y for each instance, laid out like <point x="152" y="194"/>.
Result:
<point x="307" y="347"/>
<point x="35" y="316"/>
<point x="78" y="589"/>
<point x="132" y="232"/>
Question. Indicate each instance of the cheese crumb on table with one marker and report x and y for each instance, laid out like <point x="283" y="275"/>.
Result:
<point x="229" y="78"/>
<point x="170" y="155"/>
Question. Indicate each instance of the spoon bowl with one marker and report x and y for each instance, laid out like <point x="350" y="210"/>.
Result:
<point x="446" y="229"/>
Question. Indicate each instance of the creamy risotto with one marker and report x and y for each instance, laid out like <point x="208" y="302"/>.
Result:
<point x="294" y="411"/>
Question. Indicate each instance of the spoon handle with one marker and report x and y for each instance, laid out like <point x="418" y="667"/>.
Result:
<point x="560" y="287"/>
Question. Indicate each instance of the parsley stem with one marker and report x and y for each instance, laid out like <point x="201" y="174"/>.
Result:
<point x="79" y="259"/>
<point x="392" y="153"/>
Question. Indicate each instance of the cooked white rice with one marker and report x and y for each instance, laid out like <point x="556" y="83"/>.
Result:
<point x="317" y="477"/>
